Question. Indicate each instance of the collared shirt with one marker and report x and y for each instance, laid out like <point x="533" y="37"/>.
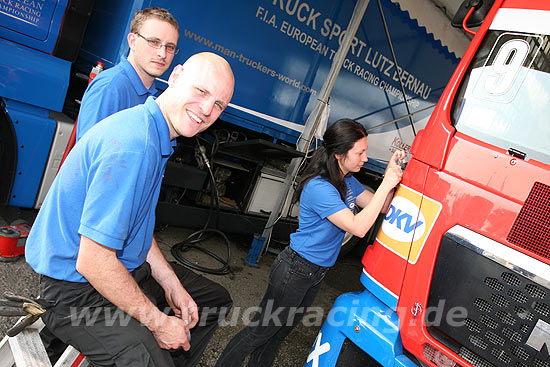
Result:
<point x="107" y="190"/>
<point x="113" y="90"/>
<point x="317" y="239"/>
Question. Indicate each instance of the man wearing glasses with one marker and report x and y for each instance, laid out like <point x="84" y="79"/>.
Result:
<point x="153" y="39"/>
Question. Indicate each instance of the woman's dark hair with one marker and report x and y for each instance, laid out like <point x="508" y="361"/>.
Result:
<point x="337" y="139"/>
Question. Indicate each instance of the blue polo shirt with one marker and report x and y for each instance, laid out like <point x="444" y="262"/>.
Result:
<point x="113" y="90"/>
<point x="317" y="239"/>
<point x="106" y="190"/>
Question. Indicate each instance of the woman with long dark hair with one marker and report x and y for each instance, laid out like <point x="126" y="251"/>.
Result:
<point x="328" y="194"/>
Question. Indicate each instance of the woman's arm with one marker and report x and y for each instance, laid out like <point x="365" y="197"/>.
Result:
<point x="360" y="223"/>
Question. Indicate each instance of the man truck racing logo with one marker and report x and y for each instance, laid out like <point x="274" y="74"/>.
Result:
<point x="408" y="223"/>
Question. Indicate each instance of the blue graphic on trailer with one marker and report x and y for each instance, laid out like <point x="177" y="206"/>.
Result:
<point x="308" y="35"/>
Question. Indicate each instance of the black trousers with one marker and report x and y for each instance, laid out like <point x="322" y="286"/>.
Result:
<point x="80" y="316"/>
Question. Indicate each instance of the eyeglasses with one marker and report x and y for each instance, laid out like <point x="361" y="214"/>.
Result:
<point x="170" y="48"/>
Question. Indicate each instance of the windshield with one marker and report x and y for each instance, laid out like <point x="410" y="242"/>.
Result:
<point x="505" y="98"/>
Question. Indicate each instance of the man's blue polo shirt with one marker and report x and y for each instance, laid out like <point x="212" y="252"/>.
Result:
<point x="106" y="190"/>
<point x="317" y="239"/>
<point x="113" y="90"/>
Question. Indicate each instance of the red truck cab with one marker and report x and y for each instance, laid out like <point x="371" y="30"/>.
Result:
<point x="462" y="257"/>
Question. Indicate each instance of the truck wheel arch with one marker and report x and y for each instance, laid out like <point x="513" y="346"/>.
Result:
<point x="8" y="154"/>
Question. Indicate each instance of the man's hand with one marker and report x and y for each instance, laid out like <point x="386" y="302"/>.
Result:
<point x="171" y="333"/>
<point x="100" y="266"/>
<point x="183" y="306"/>
<point x="185" y="309"/>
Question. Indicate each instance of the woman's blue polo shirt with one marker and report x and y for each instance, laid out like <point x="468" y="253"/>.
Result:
<point x="317" y="239"/>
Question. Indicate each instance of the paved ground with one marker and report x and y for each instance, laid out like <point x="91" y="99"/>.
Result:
<point x="245" y="284"/>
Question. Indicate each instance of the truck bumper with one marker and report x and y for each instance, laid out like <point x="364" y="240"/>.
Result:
<point x="366" y="322"/>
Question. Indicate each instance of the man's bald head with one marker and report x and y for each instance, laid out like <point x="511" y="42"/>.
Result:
<point x="198" y="92"/>
<point x="214" y="60"/>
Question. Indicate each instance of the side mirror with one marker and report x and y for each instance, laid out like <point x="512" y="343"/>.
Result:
<point x="481" y="10"/>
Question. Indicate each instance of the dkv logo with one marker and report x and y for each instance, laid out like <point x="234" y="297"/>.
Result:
<point x="408" y="223"/>
<point x="400" y="221"/>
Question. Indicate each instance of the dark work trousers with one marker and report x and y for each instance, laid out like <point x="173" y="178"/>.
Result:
<point x="293" y="285"/>
<point x="82" y="317"/>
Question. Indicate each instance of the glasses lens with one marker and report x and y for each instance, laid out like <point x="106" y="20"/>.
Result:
<point x="155" y="43"/>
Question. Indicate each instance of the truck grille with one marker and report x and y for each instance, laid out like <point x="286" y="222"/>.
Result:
<point x="531" y="230"/>
<point x="437" y="357"/>
<point x="497" y="307"/>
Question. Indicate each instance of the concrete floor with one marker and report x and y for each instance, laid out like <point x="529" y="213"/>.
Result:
<point x="245" y="284"/>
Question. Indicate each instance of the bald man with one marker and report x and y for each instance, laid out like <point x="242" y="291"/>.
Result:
<point x="111" y="293"/>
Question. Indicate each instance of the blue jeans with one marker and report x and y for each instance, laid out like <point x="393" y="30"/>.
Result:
<point x="293" y="285"/>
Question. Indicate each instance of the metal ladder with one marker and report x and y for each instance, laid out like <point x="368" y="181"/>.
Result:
<point x="26" y="350"/>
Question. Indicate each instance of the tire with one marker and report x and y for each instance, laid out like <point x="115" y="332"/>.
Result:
<point x="369" y="238"/>
<point x="349" y="242"/>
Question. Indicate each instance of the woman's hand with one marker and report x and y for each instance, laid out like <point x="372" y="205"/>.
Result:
<point x="393" y="174"/>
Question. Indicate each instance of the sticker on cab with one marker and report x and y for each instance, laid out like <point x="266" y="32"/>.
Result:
<point x="408" y="223"/>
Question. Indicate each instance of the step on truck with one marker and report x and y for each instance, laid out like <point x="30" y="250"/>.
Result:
<point x="459" y="272"/>
<point x="281" y="52"/>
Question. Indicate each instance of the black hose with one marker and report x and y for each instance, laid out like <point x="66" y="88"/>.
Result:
<point x="190" y="242"/>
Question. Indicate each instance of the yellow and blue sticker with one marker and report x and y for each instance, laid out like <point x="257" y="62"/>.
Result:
<point x="408" y="223"/>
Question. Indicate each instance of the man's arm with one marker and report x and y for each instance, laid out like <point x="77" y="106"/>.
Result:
<point x="100" y="266"/>
<point x="179" y="300"/>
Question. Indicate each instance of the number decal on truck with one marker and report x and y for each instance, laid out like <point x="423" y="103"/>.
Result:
<point x="506" y="67"/>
